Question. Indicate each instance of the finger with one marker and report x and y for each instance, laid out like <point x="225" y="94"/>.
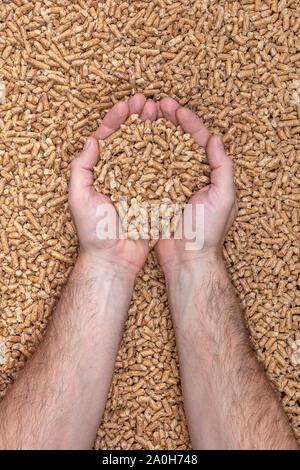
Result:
<point x="136" y="104"/>
<point x="222" y="174"/>
<point x="81" y="175"/>
<point x="113" y="120"/>
<point x="193" y="125"/>
<point x="149" y="111"/>
<point x="168" y="108"/>
<point x="159" y="112"/>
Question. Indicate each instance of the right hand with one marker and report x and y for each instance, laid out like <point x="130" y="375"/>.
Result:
<point x="218" y="198"/>
<point x="84" y="200"/>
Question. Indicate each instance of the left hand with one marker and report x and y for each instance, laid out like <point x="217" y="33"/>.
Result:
<point x="84" y="200"/>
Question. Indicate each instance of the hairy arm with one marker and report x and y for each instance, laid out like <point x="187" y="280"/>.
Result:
<point x="229" y="401"/>
<point x="58" y="399"/>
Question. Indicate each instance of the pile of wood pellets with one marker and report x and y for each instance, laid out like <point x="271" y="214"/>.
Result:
<point x="149" y="170"/>
<point x="63" y="65"/>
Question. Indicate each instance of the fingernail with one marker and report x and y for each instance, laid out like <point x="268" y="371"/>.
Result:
<point x="87" y="144"/>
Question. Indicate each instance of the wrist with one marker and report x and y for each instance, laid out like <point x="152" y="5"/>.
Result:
<point x="201" y="265"/>
<point x="190" y="283"/>
<point x="197" y="294"/>
<point x="98" y="265"/>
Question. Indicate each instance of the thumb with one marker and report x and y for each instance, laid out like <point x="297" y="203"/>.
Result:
<point x="81" y="176"/>
<point x="222" y="174"/>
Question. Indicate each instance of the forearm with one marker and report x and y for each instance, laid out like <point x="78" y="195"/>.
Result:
<point x="58" y="400"/>
<point x="229" y="401"/>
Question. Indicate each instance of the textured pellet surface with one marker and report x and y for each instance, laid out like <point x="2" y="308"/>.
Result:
<point x="149" y="170"/>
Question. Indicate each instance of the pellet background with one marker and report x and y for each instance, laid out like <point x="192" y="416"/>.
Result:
<point x="64" y="64"/>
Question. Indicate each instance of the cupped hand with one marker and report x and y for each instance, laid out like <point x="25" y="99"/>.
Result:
<point x="218" y="198"/>
<point x="84" y="200"/>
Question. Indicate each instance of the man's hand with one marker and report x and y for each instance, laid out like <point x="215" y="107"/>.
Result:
<point x="228" y="400"/>
<point x="84" y="200"/>
<point x="218" y="198"/>
<point x="58" y="399"/>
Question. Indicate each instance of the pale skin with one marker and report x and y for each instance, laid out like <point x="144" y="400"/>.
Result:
<point x="58" y="399"/>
